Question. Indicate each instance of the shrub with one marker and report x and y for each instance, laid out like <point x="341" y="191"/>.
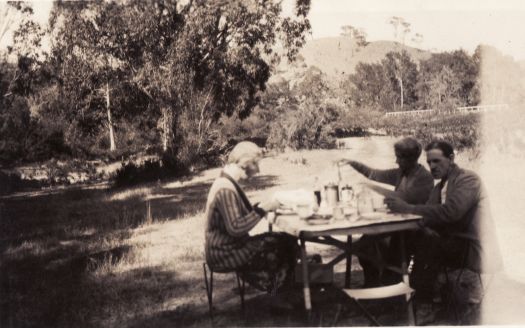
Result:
<point x="132" y="173"/>
<point x="308" y="127"/>
<point x="356" y="122"/>
<point x="463" y="131"/>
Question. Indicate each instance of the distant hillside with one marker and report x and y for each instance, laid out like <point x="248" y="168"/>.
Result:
<point x="338" y="56"/>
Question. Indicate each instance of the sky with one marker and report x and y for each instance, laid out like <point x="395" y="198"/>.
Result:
<point x="445" y="24"/>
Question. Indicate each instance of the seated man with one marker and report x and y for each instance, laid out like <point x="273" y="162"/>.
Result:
<point x="456" y="221"/>
<point x="412" y="183"/>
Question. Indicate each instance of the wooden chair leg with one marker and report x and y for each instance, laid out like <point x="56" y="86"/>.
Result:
<point x="414" y="308"/>
<point x="240" y="285"/>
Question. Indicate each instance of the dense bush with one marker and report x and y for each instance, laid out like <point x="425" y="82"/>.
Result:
<point x="463" y="131"/>
<point x="308" y="127"/>
<point x="356" y="122"/>
<point x="132" y="173"/>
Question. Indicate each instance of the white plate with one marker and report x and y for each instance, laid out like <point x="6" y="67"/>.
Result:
<point x="285" y="211"/>
<point x="372" y="216"/>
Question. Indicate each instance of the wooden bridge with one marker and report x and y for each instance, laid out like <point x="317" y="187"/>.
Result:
<point x="458" y="110"/>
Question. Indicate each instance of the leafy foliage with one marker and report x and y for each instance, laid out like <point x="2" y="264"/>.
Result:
<point x="185" y="80"/>
<point x="168" y="69"/>
<point x="448" y="80"/>
<point x="186" y="63"/>
<point x="304" y="113"/>
<point x="461" y="130"/>
<point x="132" y="173"/>
<point x="388" y="85"/>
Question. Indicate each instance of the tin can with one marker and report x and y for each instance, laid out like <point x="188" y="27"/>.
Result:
<point x="332" y="194"/>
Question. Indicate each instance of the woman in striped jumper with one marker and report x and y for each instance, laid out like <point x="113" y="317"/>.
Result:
<point x="266" y="261"/>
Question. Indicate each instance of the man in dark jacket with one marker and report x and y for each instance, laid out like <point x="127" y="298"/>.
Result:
<point x="457" y="223"/>
<point x="413" y="183"/>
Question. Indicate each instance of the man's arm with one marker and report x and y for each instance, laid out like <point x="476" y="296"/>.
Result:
<point x="466" y="195"/>
<point x="383" y="176"/>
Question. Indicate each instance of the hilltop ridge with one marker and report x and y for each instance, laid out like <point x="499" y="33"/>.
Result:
<point x="337" y="57"/>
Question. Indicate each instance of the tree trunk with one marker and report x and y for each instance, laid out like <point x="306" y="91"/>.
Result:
<point x="201" y="121"/>
<point x="112" y="146"/>
<point x="401" y="87"/>
<point x="166" y="128"/>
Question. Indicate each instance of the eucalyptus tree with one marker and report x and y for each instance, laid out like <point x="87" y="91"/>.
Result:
<point x="192" y="60"/>
<point x="358" y="35"/>
<point x="369" y="87"/>
<point x="401" y="28"/>
<point x="402" y="74"/>
<point x="20" y="77"/>
<point x="90" y="52"/>
<point x="222" y="59"/>
<point x="448" y="79"/>
<point x="11" y="12"/>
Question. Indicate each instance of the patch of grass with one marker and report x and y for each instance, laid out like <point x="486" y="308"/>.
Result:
<point x="83" y="251"/>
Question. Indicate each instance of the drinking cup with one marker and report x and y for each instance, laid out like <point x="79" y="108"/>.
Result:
<point x="338" y="213"/>
<point x="378" y="204"/>
<point x="304" y="211"/>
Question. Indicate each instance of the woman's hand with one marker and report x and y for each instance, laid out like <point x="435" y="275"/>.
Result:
<point x="270" y="205"/>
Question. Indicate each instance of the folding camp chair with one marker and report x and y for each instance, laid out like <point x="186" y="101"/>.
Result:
<point x="398" y="289"/>
<point x="209" y="287"/>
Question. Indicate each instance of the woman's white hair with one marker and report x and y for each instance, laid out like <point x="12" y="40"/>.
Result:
<point x="244" y="152"/>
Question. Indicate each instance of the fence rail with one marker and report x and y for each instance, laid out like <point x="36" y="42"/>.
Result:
<point x="467" y="109"/>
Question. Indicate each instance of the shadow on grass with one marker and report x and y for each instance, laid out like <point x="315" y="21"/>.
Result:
<point x="331" y="307"/>
<point x="51" y="292"/>
<point x="177" y="201"/>
<point x="89" y="214"/>
<point x="261" y="310"/>
<point x="37" y="290"/>
<point x="53" y="249"/>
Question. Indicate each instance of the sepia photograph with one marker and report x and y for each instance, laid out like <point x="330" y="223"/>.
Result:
<point x="262" y="163"/>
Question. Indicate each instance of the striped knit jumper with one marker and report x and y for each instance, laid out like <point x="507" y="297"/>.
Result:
<point x="229" y="217"/>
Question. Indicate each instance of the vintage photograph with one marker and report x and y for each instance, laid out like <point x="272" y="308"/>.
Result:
<point x="262" y="163"/>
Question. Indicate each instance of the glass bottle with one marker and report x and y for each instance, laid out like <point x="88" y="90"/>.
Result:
<point x="317" y="191"/>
